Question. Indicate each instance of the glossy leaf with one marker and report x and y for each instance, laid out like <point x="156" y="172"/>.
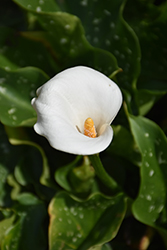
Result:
<point x="16" y="91"/>
<point x="119" y="145"/>
<point x="17" y="51"/>
<point x="149" y="23"/>
<point x="68" y="44"/>
<point x="77" y="177"/>
<point x="9" y="156"/>
<point x="5" y="224"/>
<point x="146" y="99"/>
<point x="33" y="166"/>
<point x="27" y="231"/>
<point x="151" y="205"/>
<point x="38" y="6"/>
<point x="62" y="174"/>
<point x="80" y="225"/>
<point x="105" y="28"/>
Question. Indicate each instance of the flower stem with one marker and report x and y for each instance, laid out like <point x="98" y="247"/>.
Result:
<point x="102" y="174"/>
<point x="115" y="73"/>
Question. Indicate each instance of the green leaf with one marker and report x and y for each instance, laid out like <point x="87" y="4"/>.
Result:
<point x="18" y="51"/>
<point x="27" y="232"/>
<point x="105" y="28"/>
<point x="16" y="91"/>
<point x="151" y="31"/>
<point x="5" y="224"/>
<point x="151" y="204"/>
<point x="149" y="23"/>
<point x="30" y="169"/>
<point x="80" y="225"/>
<point x="38" y="6"/>
<point x="64" y="36"/>
<point x="119" y="145"/>
<point x="62" y="174"/>
<point x="8" y="159"/>
<point x="76" y="177"/>
<point x="145" y="99"/>
<point x="104" y="247"/>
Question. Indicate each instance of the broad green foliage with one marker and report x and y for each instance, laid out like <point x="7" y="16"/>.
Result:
<point x="69" y="219"/>
<point x="26" y="231"/>
<point x="151" y="204"/>
<point x="77" y="177"/>
<point x="50" y="200"/>
<point x="16" y="91"/>
<point x="150" y="28"/>
<point x="119" y="146"/>
<point x="68" y="44"/>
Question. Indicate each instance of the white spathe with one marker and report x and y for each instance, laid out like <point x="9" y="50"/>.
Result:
<point x="67" y="100"/>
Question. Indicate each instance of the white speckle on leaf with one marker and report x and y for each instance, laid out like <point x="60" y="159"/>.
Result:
<point x="108" y="42"/>
<point x="160" y="208"/>
<point x="74" y="239"/>
<point x="11" y="111"/>
<point x="160" y="159"/>
<point x="14" y="117"/>
<point x="7" y="68"/>
<point x="147" y="164"/>
<point x="148" y="197"/>
<point x="95" y="40"/>
<point x="107" y="12"/>
<point x="129" y="51"/>
<point x="151" y="208"/>
<point x="69" y="221"/>
<point x="116" y="37"/>
<point x="146" y="134"/>
<point x="72" y="210"/>
<point x="151" y="154"/>
<point x="84" y="2"/>
<point x="2" y="80"/>
<point x="63" y="40"/>
<point x="81" y="216"/>
<point x="38" y="9"/>
<point x="112" y="25"/>
<point x="67" y="26"/>
<point x="2" y="90"/>
<point x="151" y="173"/>
<point x="79" y="235"/>
<point x="96" y="21"/>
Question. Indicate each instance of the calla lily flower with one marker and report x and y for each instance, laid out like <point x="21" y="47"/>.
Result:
<point x="75" y="109"/>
